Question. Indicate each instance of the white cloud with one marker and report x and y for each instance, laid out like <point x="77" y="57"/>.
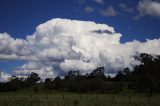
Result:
<point x="148" y="7"/>
<point x="13" y="48"/>
<point x="99" y="1"/>
<point x="96" y="1"/>
<point x="81" y="1"/>
<point x="60" y="45"/>
<point x="4" y="76"/>
<point x="125" y="8"/>
<point x="44" y="69"/>
<point x="88" y="9"/>
<point x="110" y="11"/>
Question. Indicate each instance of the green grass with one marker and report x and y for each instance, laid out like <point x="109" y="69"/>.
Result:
<point x="55" y="98"/>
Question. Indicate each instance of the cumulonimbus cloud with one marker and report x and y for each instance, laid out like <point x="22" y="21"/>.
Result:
<point x="61" y="45"/>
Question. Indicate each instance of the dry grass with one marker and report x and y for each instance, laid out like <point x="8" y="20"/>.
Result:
<point x="71" y="99"/>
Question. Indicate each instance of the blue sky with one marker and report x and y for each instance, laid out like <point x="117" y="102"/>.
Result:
<point x="19" y="18"/>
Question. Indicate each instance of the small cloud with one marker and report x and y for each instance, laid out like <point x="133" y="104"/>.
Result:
<point x="99" y="1"/>
<point x="4" y="77"/>
<point x="125" y="8"/>
<point x="148" y="7"/>
<point x="81" y="1"/>
<point x="136" y="17"/>
<point x="110" y="11"/>
<point x="88" y="9"/>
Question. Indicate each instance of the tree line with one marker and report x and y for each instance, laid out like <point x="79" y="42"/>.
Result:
<point x="145" y="77"/>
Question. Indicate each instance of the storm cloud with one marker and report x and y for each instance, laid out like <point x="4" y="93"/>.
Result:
<point x="60" y="45"/>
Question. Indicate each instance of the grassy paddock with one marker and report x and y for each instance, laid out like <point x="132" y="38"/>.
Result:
<point x="75" y="99"/>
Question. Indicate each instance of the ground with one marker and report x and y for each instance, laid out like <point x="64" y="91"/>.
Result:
<point x="22" y="98"/>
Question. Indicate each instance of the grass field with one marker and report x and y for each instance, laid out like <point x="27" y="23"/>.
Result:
<point x="76" y="99"/>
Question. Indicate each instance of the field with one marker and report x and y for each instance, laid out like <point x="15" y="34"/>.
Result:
<point x="76" y="99"/>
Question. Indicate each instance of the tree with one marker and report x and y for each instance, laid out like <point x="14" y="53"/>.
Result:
<point x="32" y="79"/>
<point x="146" y="76"/>
<point x="119" y="76"/>
<point x="98" y="73"/>
<point x="57" y="83"/>
<point x="48" y="84"/>
<point x="73" y="74"/>
<point x="123" y="75"/>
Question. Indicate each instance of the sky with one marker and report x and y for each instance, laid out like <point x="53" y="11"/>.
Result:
<point x="133" y="21"/>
